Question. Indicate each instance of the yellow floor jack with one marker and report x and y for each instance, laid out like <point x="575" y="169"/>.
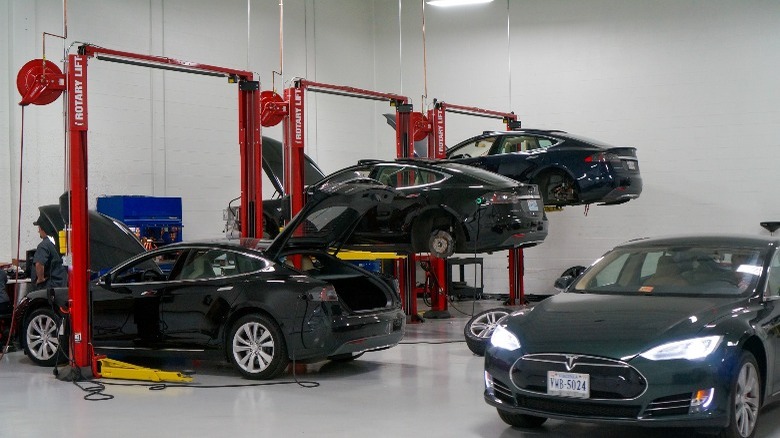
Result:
<point x="113" y="369"/>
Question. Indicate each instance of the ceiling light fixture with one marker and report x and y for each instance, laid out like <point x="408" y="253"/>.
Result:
<point x="448" y="3"/>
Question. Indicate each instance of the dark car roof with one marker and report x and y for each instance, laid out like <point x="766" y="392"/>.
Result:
<point x="445" y="166"/>
<point x="705" y="239"/>
<point x="244" y="243"/>
<point x="548" y="132"/>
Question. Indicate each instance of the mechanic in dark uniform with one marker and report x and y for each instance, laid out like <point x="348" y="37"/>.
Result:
<point x="49" y="270"/>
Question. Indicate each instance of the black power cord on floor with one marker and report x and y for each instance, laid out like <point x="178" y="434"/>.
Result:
<point x="95" y="390"/>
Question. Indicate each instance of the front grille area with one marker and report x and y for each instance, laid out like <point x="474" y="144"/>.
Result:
<point x="666" y="406"/>
<point x="609" y="379"/>
<point x="580" y="408"/>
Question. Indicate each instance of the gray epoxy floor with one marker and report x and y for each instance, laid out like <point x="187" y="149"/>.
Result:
<point x="429" y="386"/>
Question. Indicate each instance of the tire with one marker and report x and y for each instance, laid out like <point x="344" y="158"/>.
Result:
<point x="558" y="189"/>
<point x="441" y="244"/>
<point x="256" y="347"/>
<point x="745" y="399"/>
<point x="479" y="328"/>
<point x="521" y="420"/>
<point x="42" y="342"/>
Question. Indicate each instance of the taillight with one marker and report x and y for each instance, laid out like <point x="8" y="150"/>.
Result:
<point x="601" y="157"/>
<point x="502" y="198"/>
<point x="507" y="198"/>
<point x="327" y="293"/>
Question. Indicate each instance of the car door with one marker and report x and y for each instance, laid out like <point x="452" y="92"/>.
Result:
<point x="391" y="220"/>
<point x="517" y="156"/>
<point x="196" y="301"/>
<point x="126" y="302"/>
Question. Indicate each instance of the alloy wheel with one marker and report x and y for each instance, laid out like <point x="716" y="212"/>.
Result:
<point x="253" y="347"/>
<point x="42" y="337"/>
<point x="746" y="399"/>
<point x="484" y="326"/>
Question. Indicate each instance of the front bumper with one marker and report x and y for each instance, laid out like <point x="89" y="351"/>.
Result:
<point x="664" y="401"/>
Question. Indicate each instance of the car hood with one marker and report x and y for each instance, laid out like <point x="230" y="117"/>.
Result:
<point x="110" y="241"/>
<point x="616" y="326"/>
<point x="273" y="165"/>
<point x="329" y="216"/>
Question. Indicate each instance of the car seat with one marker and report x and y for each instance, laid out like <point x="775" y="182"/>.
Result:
<point x="199" y="268"/>
<point x="667" y="273"/>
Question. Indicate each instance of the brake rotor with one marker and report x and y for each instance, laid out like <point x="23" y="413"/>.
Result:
<point x="40" y="82"/>
<point x="272" y="109"/>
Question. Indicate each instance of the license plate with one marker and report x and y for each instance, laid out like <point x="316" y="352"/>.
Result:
<point x="568" y="384"/>
<point x="532" y="205"/>
<point x="631" y="165"/>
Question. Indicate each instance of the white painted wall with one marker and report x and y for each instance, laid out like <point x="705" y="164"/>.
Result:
<point x="691" y="84"/>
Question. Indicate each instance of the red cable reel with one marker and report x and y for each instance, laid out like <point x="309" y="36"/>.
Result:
<point x="40" y="82"/>
<point x="273" y="108"/>
<point x="420" y="126"/>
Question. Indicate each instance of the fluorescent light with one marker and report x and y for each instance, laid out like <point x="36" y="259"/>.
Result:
<point x="447" y="3"/>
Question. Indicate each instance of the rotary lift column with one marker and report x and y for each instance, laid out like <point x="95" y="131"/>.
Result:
<point x="437" y="147"/>
<point x="77" y="126"/>
<point x="290" y="110"/>
<point x="433" y="127"/>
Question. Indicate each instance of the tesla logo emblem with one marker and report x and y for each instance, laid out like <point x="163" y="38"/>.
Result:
<point x="570" y="358"/>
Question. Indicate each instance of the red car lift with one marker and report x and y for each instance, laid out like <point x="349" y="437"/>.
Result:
<point x="437" y="150"/>
<point x="290" y="110"/>
<point x="77" y="124"/>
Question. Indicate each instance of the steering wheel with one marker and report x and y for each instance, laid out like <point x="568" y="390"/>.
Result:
<point x="150" y="275"/>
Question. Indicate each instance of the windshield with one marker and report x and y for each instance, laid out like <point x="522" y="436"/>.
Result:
<point x="700" y="270"/>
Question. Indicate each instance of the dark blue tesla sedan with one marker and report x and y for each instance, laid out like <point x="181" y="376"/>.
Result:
<point x="569" y="169"/>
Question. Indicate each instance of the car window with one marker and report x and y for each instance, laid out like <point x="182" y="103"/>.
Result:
<point x="153" y="267"/>
<point x="523" y="143"/>
<point x="208" y="263"/>
<point x="773" y="280"/>
<point x="476" y="148"/>
<point x="340" y="177"/>
<point x="406" y="176"/>
<point x="683" y="271"/>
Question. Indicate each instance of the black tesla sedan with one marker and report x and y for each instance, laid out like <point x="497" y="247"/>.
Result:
<point x="568" y="169"/>
<point x="678" y="332"/>
<point x="442" y="208"/>
<point x="257" y="308"/>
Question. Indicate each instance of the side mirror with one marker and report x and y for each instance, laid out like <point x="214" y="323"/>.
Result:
<point x="105" y="280"/>
<point x="563" y="282"/>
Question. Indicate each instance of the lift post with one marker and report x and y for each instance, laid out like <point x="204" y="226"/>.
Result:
<point x="77" y="123"/>
<point x="290" y="110"/>
<point x="437" y="150"/>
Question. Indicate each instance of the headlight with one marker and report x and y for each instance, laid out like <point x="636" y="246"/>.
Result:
<point x="690" y="349"/>
<point x="503" y="338"/>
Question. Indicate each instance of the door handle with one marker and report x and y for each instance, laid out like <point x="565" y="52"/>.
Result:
<point x="225" y="288"/>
